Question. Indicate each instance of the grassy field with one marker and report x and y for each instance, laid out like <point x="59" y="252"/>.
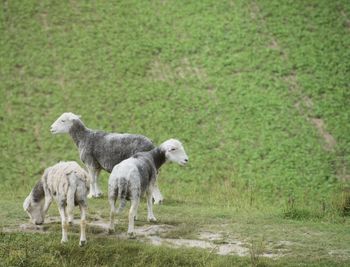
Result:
<point x="257" y="91"/>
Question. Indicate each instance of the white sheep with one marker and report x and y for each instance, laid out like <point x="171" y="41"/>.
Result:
<point x="101" y="150"/>
<point x="68" y="184"/>
<point x="135" y="176"/>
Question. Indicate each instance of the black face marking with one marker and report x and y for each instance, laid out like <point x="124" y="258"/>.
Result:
<point x="78" y="131"/>
<point x="38" y="192"/>
<point x="148" y="164"/>
<point x="158" y="157"/>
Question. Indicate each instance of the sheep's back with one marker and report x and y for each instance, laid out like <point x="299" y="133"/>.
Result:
<point x="109" y="149"/>
<point x="59" y="178"/>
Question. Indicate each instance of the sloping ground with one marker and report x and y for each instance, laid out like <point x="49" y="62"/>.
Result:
<point x="222" y="242"/>
<point x="258" y="91"/>
<point x="315" y="46"/>
<point x="151" y="235"/>
<point x="252" y="88"/>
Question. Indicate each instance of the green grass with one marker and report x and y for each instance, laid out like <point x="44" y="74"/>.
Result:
<point x="258" y="92"/>
<point x="44" y="250"/>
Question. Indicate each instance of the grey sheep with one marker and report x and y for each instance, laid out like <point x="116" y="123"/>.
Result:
<point x="100" y="150"/>
<point x="136" y="176"/>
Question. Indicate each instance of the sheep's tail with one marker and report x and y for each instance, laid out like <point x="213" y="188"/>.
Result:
<point x="122" y="193"/>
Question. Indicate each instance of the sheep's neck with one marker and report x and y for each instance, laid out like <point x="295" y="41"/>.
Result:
<point x="158" y="157"/>
<point x="78" y="132"/>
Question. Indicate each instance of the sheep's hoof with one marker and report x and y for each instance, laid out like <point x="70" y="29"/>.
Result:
<point x="110" y="231"/>
<point x="98" y="195"/>
<point x="131" y="235"/>
<point x="82" y="243"/>
<point x="90" y="195"/>
<point x="157" y="200"/>
<point x="152" y="219"/>
<point x="63" y="241"/>
<point x="70" y="222"/>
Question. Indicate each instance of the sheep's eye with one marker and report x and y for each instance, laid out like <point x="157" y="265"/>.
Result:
<point x="62" y="120"/>
<point x="173" y="149"/>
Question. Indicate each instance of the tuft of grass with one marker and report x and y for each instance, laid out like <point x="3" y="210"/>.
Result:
<point x="292" y="211"/>
<point x="341" y="201"/>
<point x="298" y="214"/>
<point x="183" y="230"/>
<point x="256" y="250"/>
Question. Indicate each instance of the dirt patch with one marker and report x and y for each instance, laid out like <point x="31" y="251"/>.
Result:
<point x="274" y="45"/>
<point x="291" y="80"/>
<point x="221" y="243"/>
<point x="161" y="71"/>
<point x="44" y="21"/>
<point x="327" y="137"/>
<point x="254" y="11"/>
<point x="305" y="106"/>
<point x="206" y="240"/>
<point x="27" y="227"/>
<point x="342" y="172"/>
<point x="340" y="253"/>
<point x="346" y="20"/>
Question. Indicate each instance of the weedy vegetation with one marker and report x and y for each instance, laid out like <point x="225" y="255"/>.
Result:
<point x="257" y="91"/>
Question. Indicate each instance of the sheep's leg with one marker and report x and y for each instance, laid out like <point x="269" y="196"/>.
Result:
<point x="98" y="192"/>
<point x="111" y="200"/>
<point x="150" y="216"/>
<point x="64" y="223"/>
<point x="82" y="241"/>
<point x="48" y="197"/>
<point x="157" y="196"/>
<point x="132" y="213"/>
<point x="92" y="187"/>
<point x="48" y="200"/>
<point x="94" y="190"/>
<point x="70" y="205"/>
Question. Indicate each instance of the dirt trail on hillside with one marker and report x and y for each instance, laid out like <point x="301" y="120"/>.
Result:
<point x="221" y="243"/>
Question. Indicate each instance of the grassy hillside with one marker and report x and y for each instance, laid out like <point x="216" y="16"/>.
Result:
<point x="258" y="91"/>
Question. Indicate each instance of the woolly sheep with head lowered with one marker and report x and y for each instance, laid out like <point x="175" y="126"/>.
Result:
<point x="68" y="184"/>
<point x="135" y="176"/>
<point x="100" y="150"/>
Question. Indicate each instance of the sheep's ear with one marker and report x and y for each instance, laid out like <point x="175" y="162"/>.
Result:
<point x="26" y="203"/>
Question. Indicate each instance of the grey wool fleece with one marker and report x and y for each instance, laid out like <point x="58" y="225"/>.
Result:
<point x="102" y="150"/>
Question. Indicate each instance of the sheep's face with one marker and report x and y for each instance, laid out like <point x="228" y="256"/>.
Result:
<point x="63" y="123"/>
<point x="34" y="210"/>
<point x="175" y="152"/>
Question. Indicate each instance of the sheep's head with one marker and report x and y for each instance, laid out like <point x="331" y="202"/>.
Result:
<point x="64" y="123"/>
<point x="174" y="151"/>
<point x="35" y="210"/>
